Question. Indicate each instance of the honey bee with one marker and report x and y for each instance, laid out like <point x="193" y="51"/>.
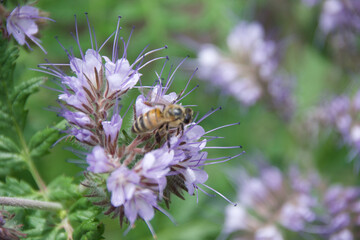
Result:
<point x="172" y="116"/>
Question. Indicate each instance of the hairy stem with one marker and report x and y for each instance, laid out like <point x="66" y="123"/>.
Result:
<point x="27" y="203"/>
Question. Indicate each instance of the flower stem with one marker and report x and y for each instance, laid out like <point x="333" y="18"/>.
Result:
<point x="27" y="203"/>
<point x="32" y="168"/>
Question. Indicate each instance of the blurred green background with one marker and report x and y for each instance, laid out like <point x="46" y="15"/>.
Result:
<point x="261" y="133"/>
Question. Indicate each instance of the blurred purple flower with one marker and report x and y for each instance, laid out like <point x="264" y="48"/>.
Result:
<point x="343" y="213"/>
<point x="274" y="198"/>
<point x="249" y="72"/>
<point x="23" y="22"/>
<point x="340" y="15"/>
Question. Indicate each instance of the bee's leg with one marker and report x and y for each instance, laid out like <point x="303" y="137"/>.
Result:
<point x="180" y="129"/>
<point x="167" y="134"/>
<point x="134" y="108"/>
<point x="157" y="137"/>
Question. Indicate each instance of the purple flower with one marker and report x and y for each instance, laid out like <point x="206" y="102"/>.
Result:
<point x="142" y="203"/>
<point x="120" y="75"/>
<point x="339" y="16"/>
<point x="249" y="70"/>
<point x="122" y="184"/>
<point x="155" y="165"/>
<point x="111" y="131"/>
<point x="99" y="161"/>
<point x="84" y="136"/>
<point x="342" y="115"/>
<point x="77" y="118"/>
<point x="22" y="23"/>
<point x="341" y="205"/>
<point x="272" y="198"/>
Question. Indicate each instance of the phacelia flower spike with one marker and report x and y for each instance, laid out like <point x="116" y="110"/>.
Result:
<point x="249" y="71"/>
<point x="23" y="22"/>
<point x="130" y="174"/>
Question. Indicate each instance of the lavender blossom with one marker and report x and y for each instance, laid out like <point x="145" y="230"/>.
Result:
<point x="23" y="22"/>
<point x="276" y="200"/>
<point x="249" y="72"/>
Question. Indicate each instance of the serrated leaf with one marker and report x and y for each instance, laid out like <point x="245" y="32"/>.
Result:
<point x="7" y="145"/>
<point x="15" y="188"/>
<point x="19" y="96"/>
<point x="91" y="229"/>
<point x="41" y="141"/>
<point x="63" y="189"/>
<point x="83" y="210"/>
<point x="8" y="57"/>
<point x="5" y="119"/>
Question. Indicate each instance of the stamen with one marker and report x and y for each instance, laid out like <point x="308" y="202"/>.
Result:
<point x="228" y="125"/>
<point x="116" y="41"/>
<point x="188" y="93"/>
<point x="152" y="60"/>
<point x="88" y="22"/>
<point x="77" y="38"/>
<point x="208" y="114"/>
<point x="235" y="204"/>
<point x="102" y="45"/>
<point x="167" y="214"/>
<point x="192" y="75"/>
<point x="169" y="81"/>
<point x="62" y="46"/>
<point x="150" y="228"/>
<point x="223" y="147"/>
<point x="147" y="54"/>
<point x="227" y="159"/>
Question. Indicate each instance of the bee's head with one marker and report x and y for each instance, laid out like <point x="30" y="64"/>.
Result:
<point x="188" y="115"/>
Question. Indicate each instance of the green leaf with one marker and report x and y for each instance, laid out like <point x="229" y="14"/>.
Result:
<point x="20" y="95"/>
<point x="62" y="189"/>
<point x="41" y="142"/>
<point x="8" y="57"/>
<point x="10" y="157"/>
<point x="15" y="188"/>
<point x="7" y="145"/>
<point x="83" y="210"/>
<point x="90" y="229"/>
<point x="5" y="119"/>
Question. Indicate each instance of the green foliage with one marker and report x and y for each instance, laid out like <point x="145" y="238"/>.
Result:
<point x="90" y="229"/>
<point x="16" y="188"/>
<point x="41" y="142"/>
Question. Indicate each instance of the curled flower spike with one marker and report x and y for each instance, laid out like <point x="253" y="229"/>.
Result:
<point x="23" y="22"/>
<point x="130" y="175"/>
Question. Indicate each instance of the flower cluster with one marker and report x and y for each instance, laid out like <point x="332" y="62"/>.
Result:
<point x="268" y="201"/>
<point x="342" y="212"/>
<point x="341" y="113"/>
<point x="166" y="155"/>
<point x="249" y="72"/>
<point x="23" y="22"/>
<point x="339" y="24"/>
<point x="338" y="15"/>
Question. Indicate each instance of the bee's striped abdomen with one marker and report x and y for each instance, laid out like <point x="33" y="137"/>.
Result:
<point x="148" y="121"/>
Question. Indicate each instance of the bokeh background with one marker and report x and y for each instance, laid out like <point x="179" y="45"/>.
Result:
<point x="317" y="72"/>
